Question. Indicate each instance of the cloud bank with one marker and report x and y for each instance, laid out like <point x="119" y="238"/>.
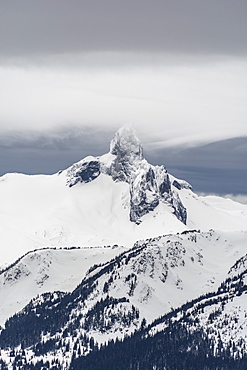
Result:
<point x="58" y="27"/>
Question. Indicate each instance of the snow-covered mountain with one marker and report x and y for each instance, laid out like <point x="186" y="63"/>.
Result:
<point x="112" y="247"/>
<point x="116" y="198"/>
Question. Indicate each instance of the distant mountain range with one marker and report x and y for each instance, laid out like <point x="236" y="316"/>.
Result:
<point x="116" y="264"/>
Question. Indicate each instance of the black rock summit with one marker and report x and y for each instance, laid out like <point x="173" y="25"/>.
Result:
<point x="148" y="185"/>
<point x="128" y="153"/>
<point x="126" y="144"/>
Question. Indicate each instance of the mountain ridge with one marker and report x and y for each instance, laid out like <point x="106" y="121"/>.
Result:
<point x="94" y="310"/>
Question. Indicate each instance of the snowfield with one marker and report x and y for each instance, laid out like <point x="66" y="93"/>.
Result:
<point x="41" y="211"/>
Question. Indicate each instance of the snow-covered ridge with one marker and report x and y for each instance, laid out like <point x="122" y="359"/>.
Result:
<point x="239" y="267"/>
<point x="150" y="271"/>
<point x="152" y="279"/>
<point x="47" y="270"/>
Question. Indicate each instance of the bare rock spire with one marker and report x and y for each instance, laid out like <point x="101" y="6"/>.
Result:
<point x="126" y="144"/>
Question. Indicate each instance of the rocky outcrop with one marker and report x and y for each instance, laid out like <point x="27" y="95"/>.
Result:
<point x="84" y="171"/>
<point x="179" y="210"/>
<point x="150" y="186"/>
<point x="181" y="184"/>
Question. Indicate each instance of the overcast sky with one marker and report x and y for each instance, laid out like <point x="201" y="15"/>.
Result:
<point x="176" y="70"/>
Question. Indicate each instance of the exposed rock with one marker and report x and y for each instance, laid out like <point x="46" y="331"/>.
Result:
<point x="128" y="154"/>
<point x="181" y="184"/>
<point x="179" y="210"/>
<point x="146" y="190"/>
<point x="126" y="144"/>
<point x="84" y="171"/>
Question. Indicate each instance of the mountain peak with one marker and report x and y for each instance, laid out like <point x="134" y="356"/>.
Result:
<point x="126" y="144"/>
<point x="149" y="186"/>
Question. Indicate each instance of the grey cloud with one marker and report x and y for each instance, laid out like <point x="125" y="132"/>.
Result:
<point x="33" y="153"/>
<point x="45" y="27"/>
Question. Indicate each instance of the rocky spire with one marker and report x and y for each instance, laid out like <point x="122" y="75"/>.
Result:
<point x="148" y="185"/>
<point x="126" y="144"/>
<point x="127" y="149"/>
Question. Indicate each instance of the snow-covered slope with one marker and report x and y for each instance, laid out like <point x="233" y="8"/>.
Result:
<point x="214" y="212"/>
<point x="221" y="313"/>
<point x="117" y="198"/>
<point x="47" y="270"/>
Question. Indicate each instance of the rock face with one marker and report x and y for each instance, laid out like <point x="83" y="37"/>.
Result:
<point x="128" y="154"/>
<point x="148" y="185"/>
<point x="84" y="171"/>
<point x="148" y="188"/>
